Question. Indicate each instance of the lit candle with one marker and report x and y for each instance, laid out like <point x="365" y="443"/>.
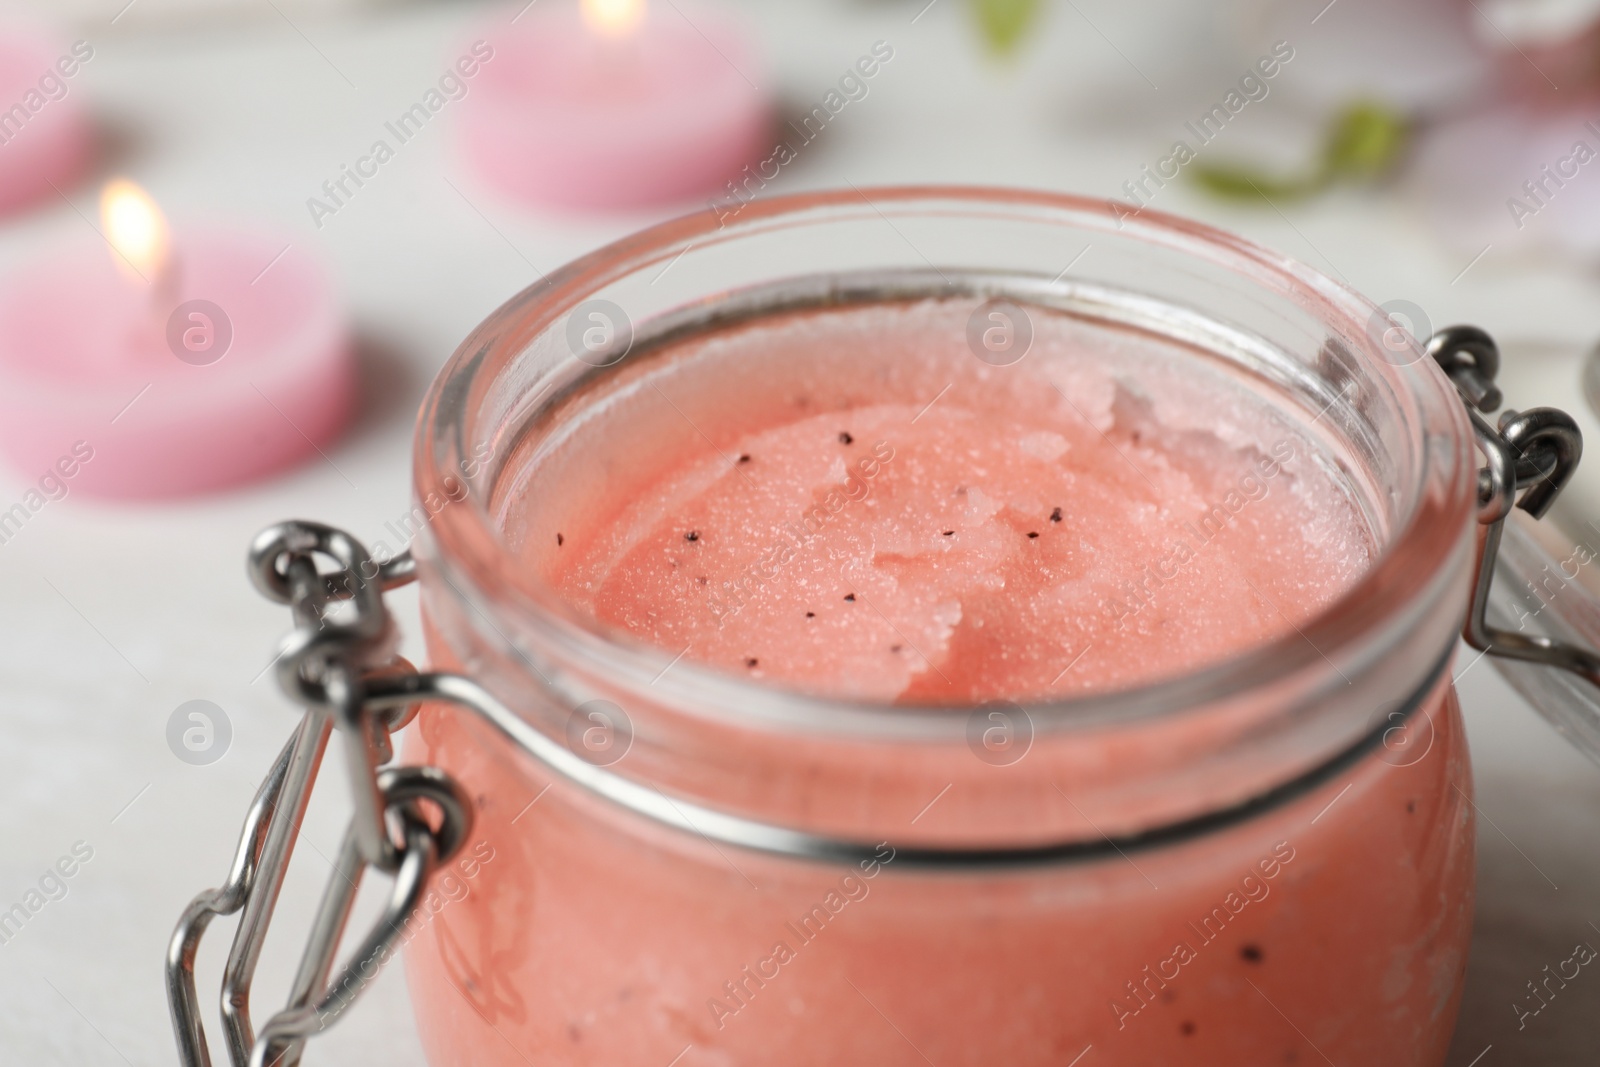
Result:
<point x="175" y="364"/>
<point x="46" y="138"/>
<point x="616" y="105"/>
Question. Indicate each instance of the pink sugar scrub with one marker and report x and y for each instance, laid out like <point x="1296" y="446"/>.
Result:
<point x="1071" y="523"/>
<point x="847" y="502"/>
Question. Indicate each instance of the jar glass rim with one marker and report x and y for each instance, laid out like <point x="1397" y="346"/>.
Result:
<point x="1423" y="555"/>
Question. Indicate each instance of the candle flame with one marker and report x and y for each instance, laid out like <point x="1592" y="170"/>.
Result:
<point x="135" y="228"/>
<point x="613" y="18"/>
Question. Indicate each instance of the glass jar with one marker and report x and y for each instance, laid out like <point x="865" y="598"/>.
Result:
<point x="1263" y="860"/>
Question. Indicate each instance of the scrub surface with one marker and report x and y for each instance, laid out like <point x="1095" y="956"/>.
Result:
<point x="1066" y="524"/>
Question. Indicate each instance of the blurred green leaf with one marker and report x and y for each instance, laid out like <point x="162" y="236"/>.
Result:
<point x="1365" y="141"/>
<point x="1005" y="22"/>
<point x="1243" y="183"/>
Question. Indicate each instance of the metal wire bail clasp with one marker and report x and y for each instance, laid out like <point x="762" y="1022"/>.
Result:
<point x="406" y="820"/>
<point x="1534" y="453"/>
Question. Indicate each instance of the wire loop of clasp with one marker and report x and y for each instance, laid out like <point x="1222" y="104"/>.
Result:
<point x="406" y="820"/>
<point x="1531" y="455"/>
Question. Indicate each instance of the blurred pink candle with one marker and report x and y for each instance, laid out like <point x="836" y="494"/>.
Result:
<point x="183" y="364"/>
<point x="615" y="106"/>
<point x="46" y="138"/>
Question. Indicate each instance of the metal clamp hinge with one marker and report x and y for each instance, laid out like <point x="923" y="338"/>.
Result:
<point x="338" y="662"/>
<point x="1532" y="453"/>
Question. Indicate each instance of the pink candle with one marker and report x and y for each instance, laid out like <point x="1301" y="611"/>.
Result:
<point x="848" y="504"/>
<point x="46" y="138"/>
<point x="179" y="365"/>
<point x="616" y="106"/>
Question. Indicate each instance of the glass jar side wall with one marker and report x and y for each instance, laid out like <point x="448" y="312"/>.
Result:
<point x="1339" y="920"/>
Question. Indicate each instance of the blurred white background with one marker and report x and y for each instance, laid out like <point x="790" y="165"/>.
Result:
<point x="116" y="614"/>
